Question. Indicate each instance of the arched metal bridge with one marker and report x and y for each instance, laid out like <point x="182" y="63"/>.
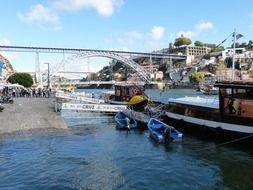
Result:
<point x="122" y="56"/>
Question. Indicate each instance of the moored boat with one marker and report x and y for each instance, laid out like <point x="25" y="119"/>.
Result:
<point x="122" y="93"/>
<point x="230" y="114"/>
<point x="163" y="133"/>
<point x="138" y="102"/>
<point x="123" y="121"/>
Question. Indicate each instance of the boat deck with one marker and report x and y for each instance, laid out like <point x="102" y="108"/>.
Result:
<point x="197" y="101"/>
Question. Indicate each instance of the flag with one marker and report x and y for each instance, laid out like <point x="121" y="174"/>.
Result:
<point x="238" y="36"/>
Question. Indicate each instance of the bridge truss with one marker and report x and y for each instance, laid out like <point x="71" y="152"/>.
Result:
<point x="77" y="54"/>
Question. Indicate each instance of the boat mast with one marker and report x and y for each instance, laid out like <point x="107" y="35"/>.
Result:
<point x="233" y="63"/>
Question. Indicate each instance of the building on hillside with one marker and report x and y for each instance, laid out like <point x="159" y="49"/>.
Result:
<point x="191" y="52"/>
<point x="150" y="67"/>
<point x="227" y="74"/>
<point x="158" y="75"/>
<point x="228" y="52"/>
<point x="208" y="78"/>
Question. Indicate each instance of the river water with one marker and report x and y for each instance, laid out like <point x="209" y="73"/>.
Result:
<point x="92" y="154"/>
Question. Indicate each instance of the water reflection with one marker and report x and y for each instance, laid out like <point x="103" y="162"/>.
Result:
<point x="92" y="154"/>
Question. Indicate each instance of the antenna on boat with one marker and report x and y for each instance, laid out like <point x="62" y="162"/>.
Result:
<point x="236" y="36"/>
<point x="233" y="63"/>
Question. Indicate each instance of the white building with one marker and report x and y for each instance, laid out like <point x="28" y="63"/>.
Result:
<point x="239" y="52"/>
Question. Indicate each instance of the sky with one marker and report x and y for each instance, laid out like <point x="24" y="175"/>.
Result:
<point x="128" y="25"/>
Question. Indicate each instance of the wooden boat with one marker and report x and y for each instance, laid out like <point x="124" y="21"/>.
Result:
<point x="230" y="114"/>
<point x="163" y="133"/>
<point x="138" y="102"/>
<point x="124" y="122"/>
<point x="122" y="93"/>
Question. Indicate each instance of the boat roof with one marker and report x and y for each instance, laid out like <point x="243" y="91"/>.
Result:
<point x="197" y="101"/>
<point x="110" y="92"/>
<point x="234" y="84"/>
<point x="130" y="84"/>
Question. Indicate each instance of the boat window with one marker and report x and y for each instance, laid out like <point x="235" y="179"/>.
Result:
<point x="240" y="93"/>
<point x="249" y="92"/>
<point x="228" y="91"/>
<point x="223" y="91"/>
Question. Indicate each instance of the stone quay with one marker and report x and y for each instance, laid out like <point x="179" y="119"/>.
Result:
<point x="30" y="113"/>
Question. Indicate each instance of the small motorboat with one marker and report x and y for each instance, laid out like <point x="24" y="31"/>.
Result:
<point x="163" y="133"/>
<point x="123" y="121"/>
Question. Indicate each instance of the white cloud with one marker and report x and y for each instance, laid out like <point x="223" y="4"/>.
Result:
<point x="157" y="32"/>
<point x="50" y="14"/>
<point x="199" y="28"/>
<point x="204" y="26"/>
<point x="103" y="7"/>
<point x="39" y="13"/>
<point x="133" y="40"/>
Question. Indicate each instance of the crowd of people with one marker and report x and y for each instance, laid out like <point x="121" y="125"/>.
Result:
<point x="25" y="92"/>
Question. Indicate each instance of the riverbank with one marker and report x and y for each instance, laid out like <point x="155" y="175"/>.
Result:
<point x="29" y="114"/>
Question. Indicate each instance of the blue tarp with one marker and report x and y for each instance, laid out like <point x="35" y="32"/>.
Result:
<point x="1" y="67"/>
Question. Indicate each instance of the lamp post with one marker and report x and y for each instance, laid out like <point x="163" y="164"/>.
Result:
<point x="48" y="78"/>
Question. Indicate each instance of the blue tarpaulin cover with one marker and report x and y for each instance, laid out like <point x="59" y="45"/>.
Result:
<point x="1" y="67"/>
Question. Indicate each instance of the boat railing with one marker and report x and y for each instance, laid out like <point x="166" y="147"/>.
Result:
<point x="156" y="112"/>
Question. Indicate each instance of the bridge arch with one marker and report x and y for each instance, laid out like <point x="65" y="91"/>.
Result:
<point x="129" y="62"/>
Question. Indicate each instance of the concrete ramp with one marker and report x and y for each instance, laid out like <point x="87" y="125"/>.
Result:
<point x="30" y="113"/>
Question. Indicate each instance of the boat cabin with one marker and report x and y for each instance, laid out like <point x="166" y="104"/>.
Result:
<point x="123" y="92"/>
<point x="236" y="102"/>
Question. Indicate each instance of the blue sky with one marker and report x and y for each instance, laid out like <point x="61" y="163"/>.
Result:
<point x="131" y="25"/>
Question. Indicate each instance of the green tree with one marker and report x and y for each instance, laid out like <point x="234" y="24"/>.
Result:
<point x="199" y="43"/>
<point x="163" y="68"/>
<point x="24" y="79"/>
<point x="196" y="78"/>
<point x="93" y="77"/>
<point x="217" y="49"/>
<point x="250" y="44"/>
<point x="243" y="45"/>
<point x="182" y="41"/>
<point x="212" y="68"/>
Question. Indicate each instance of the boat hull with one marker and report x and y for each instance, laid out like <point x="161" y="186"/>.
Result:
<point x="158" y="129"/>
<point x="124" y="122"/>
<point x="213" y="129"/>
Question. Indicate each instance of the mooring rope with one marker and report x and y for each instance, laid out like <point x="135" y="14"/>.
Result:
<point x="225" y="143"/>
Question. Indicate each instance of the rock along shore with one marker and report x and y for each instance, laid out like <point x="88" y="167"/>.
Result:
<point x="30" y="113"/>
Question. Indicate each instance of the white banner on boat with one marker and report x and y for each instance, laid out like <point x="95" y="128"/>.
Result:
<point x="78" y="98"/>
<point x="94" y="107"/>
